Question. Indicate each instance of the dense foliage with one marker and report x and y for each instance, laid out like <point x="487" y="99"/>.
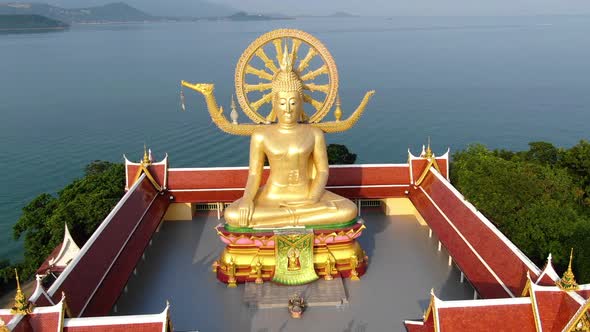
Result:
<point x="339" y="154"/>
<point x="82" y="204"/>
<point x="539" y="198"/>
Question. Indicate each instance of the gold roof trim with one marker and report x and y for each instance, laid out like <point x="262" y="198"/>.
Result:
<point x="3" y="327"/>
<point x="143" y="168"/>
<point x="428" y="155"/>
<point x="581" y="320"/>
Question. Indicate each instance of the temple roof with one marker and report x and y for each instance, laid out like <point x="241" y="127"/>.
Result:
<point x="56" y="318"/>
<point x="96" y="277"/>
<point x="544" y="308"/>
<point x="548" y="276"/>
<point x="491" y="262"/>
<point x="61" y="255"/>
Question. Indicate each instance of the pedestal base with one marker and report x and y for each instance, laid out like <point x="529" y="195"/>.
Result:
<point x="321" y="293"/>
<point x="250" y="256"/>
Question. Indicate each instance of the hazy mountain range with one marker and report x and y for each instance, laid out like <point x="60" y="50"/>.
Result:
<point x="100" y="11"/>
<point x="176" y="8"/>
<point x="113" y="12"/>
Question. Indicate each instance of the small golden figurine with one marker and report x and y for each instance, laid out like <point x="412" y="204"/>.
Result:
<point x="258" y="268"/>
<point x="293" y="260"/>
<point x="231" y="273"/>
<point x="328" y="275"/>
<point x="354" y="275"/>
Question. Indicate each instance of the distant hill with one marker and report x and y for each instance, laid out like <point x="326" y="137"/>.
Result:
<point x="333" y="15"/>
<point x="29" y="22"/>
<point x="343" y="14"/>
<point x="112" y="12"/>
<point x="168" y="8"/>
<point x="243" y="16"/>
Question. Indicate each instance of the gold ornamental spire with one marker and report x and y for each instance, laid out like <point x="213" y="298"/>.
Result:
<point x="568" y="281"/>
<point x="429" y="153"/>
<point x="21" y="305"/>
<point x="146" y="157"/>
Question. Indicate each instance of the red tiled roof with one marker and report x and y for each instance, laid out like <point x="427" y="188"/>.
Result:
<point x="84" y="276"/>
<point x="226" y="184"/>
<point x="116" y="279"/>
<point x="465" y="258"/>
<point x="44" y="322"/>
<point x="140" y="323"/>
<point x="158" y="172"/>
<point x="545" y="280"/>
<point x="52" y="319"/>
<point x="45" y="319"/>
<point x="45" y="266"/>
<point x="416" y="326"/>
<point x="5" y="315"/>
<point x="503" y="258"/>
<point x="42" y="301"/>
<point x="140" y="327"/>
<point x="504" y="317"/>
<point x="585" y="293"/>
<point x="555" y="307"/>
<point x="511" y="314"/>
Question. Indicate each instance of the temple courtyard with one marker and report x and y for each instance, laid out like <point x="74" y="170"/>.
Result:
<point x="404" y="264"/>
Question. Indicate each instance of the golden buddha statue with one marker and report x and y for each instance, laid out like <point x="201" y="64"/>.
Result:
<point x="294" y="194"/>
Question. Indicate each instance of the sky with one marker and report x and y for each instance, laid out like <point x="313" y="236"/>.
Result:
<point x="414" y="7"/>
<point x="357" y="7"/>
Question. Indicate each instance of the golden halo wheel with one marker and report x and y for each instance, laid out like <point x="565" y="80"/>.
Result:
<point x="312" y="62"/>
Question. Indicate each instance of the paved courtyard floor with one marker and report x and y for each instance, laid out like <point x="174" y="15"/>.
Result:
<point x="404" y="265"/>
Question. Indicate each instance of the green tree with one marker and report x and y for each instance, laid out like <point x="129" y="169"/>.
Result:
<point x="35" y="225"/>
<point x="543" y="153"/>
<point x="577" y="162"/>
<point x="530" y="201"/>
<point x="7" y="279"/>
<point x="339" y="154"/>
<point x="83" y="204"/>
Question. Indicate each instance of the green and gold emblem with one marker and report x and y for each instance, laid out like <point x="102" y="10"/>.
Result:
<point x="294" y="257"/>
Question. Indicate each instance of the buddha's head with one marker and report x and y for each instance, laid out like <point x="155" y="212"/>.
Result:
<point x="287" y="90"/>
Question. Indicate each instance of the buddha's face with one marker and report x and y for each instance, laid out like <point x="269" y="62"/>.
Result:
<point x="288" y="105"/>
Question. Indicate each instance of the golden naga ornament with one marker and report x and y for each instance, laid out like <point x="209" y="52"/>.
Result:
<point x="257" y="71"/>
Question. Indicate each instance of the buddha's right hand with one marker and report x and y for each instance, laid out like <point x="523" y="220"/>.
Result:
<point x="246" y="209"/>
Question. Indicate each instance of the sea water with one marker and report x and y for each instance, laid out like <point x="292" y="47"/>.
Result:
<point x="101" y="91"/>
